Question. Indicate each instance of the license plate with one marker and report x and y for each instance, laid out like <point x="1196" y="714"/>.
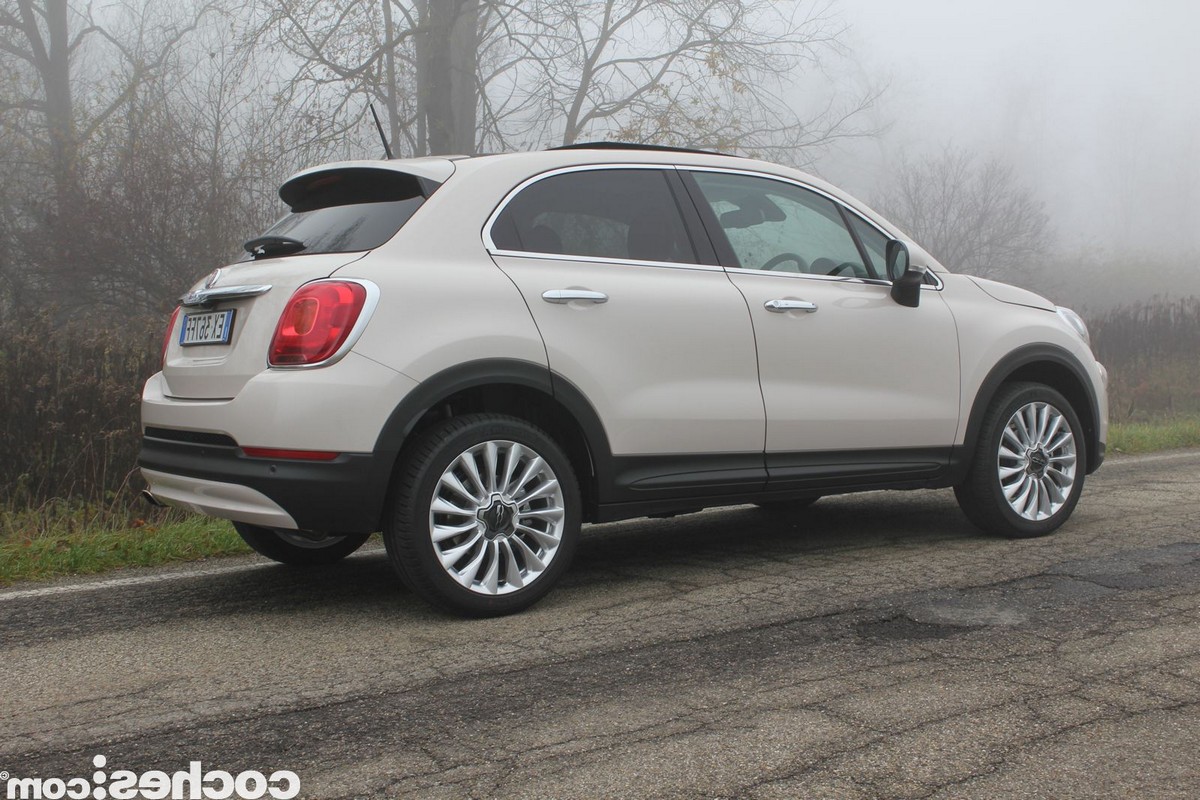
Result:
<point x="211" y="328"/>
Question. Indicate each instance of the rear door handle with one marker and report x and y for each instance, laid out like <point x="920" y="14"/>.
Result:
<point x="561" y="296"/>
<point x="780" y="306"/>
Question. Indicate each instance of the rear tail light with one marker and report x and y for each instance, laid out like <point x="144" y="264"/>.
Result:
<point x="316" y="322"/>
<point x="167" y="335"/>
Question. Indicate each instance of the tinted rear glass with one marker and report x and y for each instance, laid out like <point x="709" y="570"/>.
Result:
<point x="349" y="210"/>
<point x="627" y="214"/>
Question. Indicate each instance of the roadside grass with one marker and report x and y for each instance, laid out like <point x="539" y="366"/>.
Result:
<point x="1148" y="437"/>
<point x="61" y="539"/>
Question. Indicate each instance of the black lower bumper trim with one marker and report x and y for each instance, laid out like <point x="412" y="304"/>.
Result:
<point x="345" y="495"/>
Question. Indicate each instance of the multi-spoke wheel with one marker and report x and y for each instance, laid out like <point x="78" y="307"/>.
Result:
<point x="485" y="515"/>
<point x="1036" y="460"/>
<point x="299" y="548"/>
<point x="1027" y="472"/>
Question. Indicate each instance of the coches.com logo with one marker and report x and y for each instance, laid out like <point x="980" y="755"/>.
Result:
<point x="194" y="783"/>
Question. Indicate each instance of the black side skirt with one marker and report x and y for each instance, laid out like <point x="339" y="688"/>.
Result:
<point x="689" y="482"/>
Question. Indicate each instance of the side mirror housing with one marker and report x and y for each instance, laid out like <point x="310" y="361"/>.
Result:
<point x="906" y="279"/>
<point x="897" y="259"/>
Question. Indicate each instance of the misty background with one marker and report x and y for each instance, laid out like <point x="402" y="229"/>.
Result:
<point x="1094" y="104"/>
<point x="1051" y="144"/>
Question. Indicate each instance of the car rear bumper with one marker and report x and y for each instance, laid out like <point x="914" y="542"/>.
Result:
<point x="345" y="495"/>
<point x="217" y="499"/>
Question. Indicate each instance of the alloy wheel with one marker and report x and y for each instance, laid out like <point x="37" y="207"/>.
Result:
<point x="497" y="517"/>
<point x="1036" y="461"/>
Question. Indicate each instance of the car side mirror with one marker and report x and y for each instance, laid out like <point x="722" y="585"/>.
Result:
<point x="897" y="259"/>
<point x="906" y="279"/>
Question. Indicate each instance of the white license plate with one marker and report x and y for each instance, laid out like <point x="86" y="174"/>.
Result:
<point x="212" y="328"/>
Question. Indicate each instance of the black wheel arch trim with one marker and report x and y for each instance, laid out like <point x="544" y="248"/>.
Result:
<point x="1024" y="357"/>
<point x="435" y="389"/>
<point x="498" y="371"/>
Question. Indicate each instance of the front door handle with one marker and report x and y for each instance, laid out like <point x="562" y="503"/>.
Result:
<point x="780" y="306"/>
<point x="561" y="296"/>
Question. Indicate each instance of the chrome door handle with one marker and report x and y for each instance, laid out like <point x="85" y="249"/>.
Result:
<point x="567" y="295"/>
<point x="779" y="306"/>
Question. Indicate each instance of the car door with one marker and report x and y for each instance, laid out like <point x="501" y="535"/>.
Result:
<point x="656" y="340"/>
<point x="853" y="383"/>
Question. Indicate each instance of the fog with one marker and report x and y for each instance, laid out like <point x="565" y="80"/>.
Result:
<point x="141" y="141"/>
<point x="1092" y="107"/>
<point x="1096" y="104"/>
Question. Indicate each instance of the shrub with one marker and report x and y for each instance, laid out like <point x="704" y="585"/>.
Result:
<point x="70" y="391"/>
<point x="1152" y="352"/>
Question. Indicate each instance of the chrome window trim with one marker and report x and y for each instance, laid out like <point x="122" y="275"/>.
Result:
<point x="356" y="332"/>
<point x="627" y="262"/>
<point x="491" y="247"/>
<point x="810" y="275"/>
<point x="831" y="278"/>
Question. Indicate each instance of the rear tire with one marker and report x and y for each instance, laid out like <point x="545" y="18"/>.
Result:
<point x="1028" y="467"/>
<point x="484" y="516"/>
<point x="290" y="547"/>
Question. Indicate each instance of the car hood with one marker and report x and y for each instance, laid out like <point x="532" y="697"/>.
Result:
<point x="1012" y="294"/>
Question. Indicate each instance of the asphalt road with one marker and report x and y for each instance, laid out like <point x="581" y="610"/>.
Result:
<point x="874" y="646"/>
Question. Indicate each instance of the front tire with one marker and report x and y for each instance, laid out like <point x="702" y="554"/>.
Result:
<point x="485" y="515"/>
<point x="1027" y="471"/>
<point x="297" y="549"/>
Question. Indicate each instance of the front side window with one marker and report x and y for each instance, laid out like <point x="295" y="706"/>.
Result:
<point x="627" y="214"/>
<point x="874" y="242"/>
<point x="776" y="226"/>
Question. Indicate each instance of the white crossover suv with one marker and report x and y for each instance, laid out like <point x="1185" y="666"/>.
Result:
<point x="476" y="355"/>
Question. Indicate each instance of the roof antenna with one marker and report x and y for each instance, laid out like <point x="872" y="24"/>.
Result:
<point x="387" y="151"/>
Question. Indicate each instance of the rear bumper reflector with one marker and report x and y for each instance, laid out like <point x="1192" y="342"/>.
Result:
<point x="290" y="455"/>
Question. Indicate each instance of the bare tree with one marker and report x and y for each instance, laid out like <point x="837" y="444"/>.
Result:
<point x="49" y="36"/>
<point x="140" y="140"/>
<point x="459" y="75"/>
<point x="418" y="59"/>
<point x="706" y="73"/>
<point x="973" y="215"/>
<point x="96" y="150"/>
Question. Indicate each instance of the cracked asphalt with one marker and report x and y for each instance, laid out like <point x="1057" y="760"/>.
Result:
<point x="873" y="646"/>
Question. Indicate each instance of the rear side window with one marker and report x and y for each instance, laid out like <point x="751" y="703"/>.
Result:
<point x="628" y="214"/>
<point x="346" y="211"/>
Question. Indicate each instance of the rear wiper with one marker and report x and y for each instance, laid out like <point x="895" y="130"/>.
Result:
<point x="265" y="246"/>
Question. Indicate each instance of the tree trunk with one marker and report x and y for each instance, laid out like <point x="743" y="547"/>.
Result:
<point x="446" y="62"/>
<point x="52" y="57"/>
<point x="389" y="60"/>
<point x="49" y="46"/>
<point x="464" y="57"/>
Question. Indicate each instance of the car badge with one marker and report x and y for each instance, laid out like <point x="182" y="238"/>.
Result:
<point x="199" y="297"/>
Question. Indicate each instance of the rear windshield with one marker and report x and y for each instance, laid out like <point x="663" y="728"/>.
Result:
<point x="347" y="210"/>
